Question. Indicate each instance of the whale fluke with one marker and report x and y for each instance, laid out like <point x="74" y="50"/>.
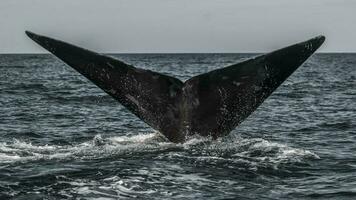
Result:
<point x="210" y="104"/>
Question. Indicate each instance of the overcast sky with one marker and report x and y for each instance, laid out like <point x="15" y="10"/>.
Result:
<point x="149" y="26"/>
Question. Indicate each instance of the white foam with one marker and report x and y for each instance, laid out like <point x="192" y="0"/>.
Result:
<point x="256" y="152"/>
<point x="98" y="147"/>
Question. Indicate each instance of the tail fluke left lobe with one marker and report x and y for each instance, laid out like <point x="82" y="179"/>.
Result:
<point x="149" y="95"/>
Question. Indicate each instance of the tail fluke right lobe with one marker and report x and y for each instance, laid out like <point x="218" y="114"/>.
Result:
<point x="221" y="99"/>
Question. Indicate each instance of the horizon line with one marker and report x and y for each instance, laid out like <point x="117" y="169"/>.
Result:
<point x="44" y="53"/>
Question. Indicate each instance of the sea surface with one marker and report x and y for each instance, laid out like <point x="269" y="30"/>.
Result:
<point x="61" y="137"/>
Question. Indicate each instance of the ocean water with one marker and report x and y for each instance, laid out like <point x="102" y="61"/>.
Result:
<point x="61" y="137"/>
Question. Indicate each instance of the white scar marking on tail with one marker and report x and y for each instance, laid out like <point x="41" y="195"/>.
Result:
<point x="135" y="102"/>
<point x="132" y="99"/>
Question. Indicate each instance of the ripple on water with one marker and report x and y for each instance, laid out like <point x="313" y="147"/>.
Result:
<point x="43" y="101"/>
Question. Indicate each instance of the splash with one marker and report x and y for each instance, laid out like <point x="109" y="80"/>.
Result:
<point x="255" y="151"/>
<point x="252" y="152"/>
<point x="21" y="151"/>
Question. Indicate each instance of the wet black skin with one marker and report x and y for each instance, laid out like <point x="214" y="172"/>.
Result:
<point x="210" y="104"/>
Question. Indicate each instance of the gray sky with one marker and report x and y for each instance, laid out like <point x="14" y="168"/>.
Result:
<point x="149" y="26"/>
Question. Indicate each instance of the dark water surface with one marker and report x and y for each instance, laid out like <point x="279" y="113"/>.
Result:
<point x="62" y="137"/>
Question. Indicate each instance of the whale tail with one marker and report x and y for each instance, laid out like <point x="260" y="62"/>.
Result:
<point x="210" y="104"/>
